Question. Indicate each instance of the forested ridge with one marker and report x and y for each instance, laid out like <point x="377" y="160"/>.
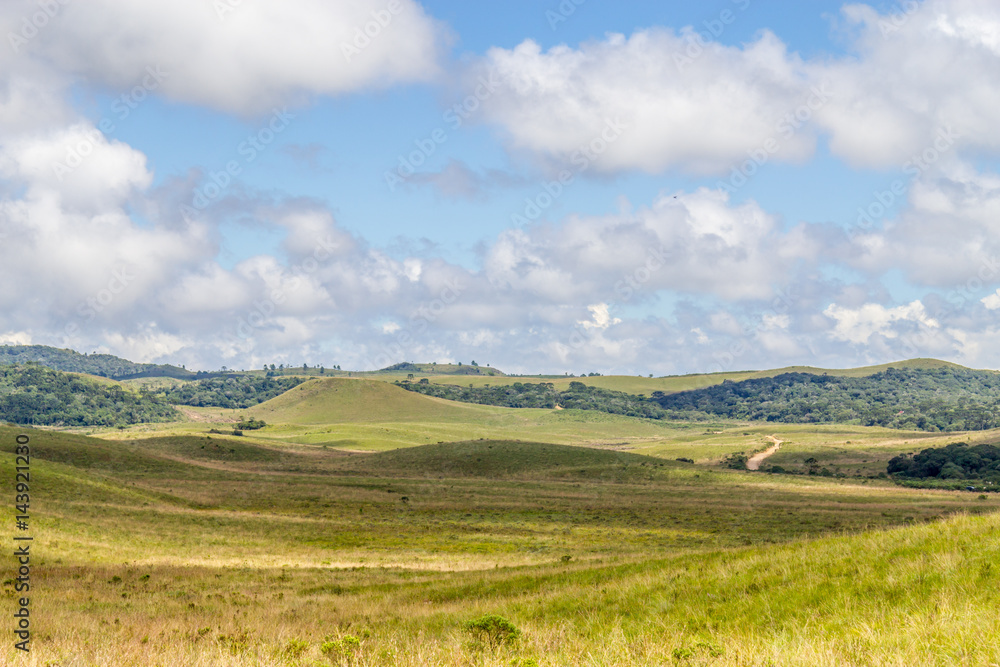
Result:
<point x="957" y="461"/>
<point x="233" y="391"/>
<point x="70" y="361"/>
<point x="544" y="395"/>
<point x="944" y="399"/>
<point x="34" y="394"/>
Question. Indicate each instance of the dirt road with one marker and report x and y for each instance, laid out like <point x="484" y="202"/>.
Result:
<point x="757" y="459"/>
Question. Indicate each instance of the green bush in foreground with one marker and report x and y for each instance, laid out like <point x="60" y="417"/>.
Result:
<point x="493" y="630"/>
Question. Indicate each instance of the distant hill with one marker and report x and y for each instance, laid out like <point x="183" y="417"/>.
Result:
<point x="324" y="401"/>
<point x="34" y="394"/>
<point x="497" y="459"/>
<point x="103" y="365"/>
<point x="919" y="395"/>
<point x="232" y="391"/>
<point x="943" y="398"/>
<point x="542" y="395"/>
<point x="641" y="385"/>
<point x="443" y="369"/>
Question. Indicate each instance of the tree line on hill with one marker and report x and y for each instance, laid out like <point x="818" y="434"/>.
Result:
<point x="233" y="391"/>
<point x="957" y="461"/>
<point x="543" y="395"/>
<point x="32" y="394"/>
<point x="36" y="395"/>
<point x="102" y="365"/>
<point x="946" y="399"/>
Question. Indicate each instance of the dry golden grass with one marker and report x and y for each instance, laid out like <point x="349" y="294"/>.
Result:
<point x="189" y="551"/>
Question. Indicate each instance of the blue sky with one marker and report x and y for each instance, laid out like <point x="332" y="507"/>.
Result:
<point x="231" y="184"/>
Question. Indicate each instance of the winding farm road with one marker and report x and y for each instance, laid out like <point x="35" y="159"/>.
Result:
<point x="757" y="459"/>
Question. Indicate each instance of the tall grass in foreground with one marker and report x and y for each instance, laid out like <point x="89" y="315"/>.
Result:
<point x="919" y="595"/>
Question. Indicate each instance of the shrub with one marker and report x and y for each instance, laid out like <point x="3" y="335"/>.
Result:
<point x="493" y="630"/>
<point x="346" y="647"/>
<point x="295" y="648"/>
<point x="736" y="461"/>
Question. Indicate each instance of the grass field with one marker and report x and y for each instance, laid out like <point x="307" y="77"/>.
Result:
<point x="483" y="376"/>
<point x="197" y="549"/>
<point x="668" y="384"/>
<point x="367" y="525"/>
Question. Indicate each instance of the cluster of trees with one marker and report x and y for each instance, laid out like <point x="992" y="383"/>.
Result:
<point x="543" y="395"/>
<point x="70" y="361"/>
<point x="250" y="424"/>
<point x="946" y="399"/>
<point x="232" y="391"/>
<point x="955" y="461"/>
<point x="282" y="369"/>
<point x="36" y="395"/>
<point x="450" y="369"/>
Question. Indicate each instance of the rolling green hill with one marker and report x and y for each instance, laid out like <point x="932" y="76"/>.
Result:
<point x="946" y="398"/>
<point x="497" y="459"/>
<point x="226" y="552"/>
<point x="633" y="384"/>
<point x="104" y="365"/>
<point x="920" y="395"/>
<point x="338" y="400"/>
<point x="441" y="369"/>
<point x="34" y="394"/>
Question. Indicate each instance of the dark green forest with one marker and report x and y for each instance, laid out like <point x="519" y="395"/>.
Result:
<point x="33" y="394"/>
<point x="103" y="365"/>
<point x="36" y="395"/>
<point x="543" y="395"/>
<point x="957" y="461"/>
<point x="232" y="391"/>
<point x="946" y="399"/>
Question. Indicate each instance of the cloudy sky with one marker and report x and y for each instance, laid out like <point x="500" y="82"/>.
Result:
<point x="575" y="186"/>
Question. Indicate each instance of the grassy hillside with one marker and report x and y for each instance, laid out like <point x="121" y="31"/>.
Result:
<point x="498" y="459"/>
<point x="942" y="399"/>
<point x="220" y="551"/>
<point x="34" y="394"/>
<point x="104" y="365"/>
<point x="336" y="400"/>
<point x="674" y="383"/>
<point x="442" y="369"/>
